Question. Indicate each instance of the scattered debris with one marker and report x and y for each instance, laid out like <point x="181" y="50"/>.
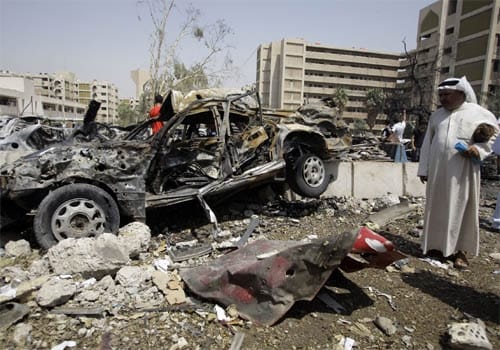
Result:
<point x="379" y="293"/>
<point x="436" y="263"/>
<point x="470" y="335"/>
<point x="237" y="341"/>
<point x="330" y="302"/>
<point x="181" y="253"/>
<point x="386" y="325"/>
<point x="65" y="344"/>
<point x="10" y="313"/>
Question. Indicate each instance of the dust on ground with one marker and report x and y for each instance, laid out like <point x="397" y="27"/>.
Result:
<point x="421" y="300"/>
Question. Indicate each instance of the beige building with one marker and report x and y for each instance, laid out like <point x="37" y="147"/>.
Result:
<point x="21" y="96"/>
<point x="291" y="72"/>
<point x="64" y="95"/>
<point x="104" y="92"/>
<point x="457" y="38"/>
<point x="140" y="78"/>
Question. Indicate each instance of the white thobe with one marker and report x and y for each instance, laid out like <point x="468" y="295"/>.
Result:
<point x="451" y="221"/>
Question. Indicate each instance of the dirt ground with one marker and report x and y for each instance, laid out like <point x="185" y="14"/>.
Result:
<point x="425" y="298"/>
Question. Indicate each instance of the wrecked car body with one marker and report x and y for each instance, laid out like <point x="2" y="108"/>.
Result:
<point x="265" y="278"/>
<point x="20" y="136"/>
<point x="209" y="146"/>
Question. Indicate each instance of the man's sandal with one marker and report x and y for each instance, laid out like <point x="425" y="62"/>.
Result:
<point x="460" y="261"/>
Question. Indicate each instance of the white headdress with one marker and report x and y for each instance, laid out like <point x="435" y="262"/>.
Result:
<point x="461" y="85"/>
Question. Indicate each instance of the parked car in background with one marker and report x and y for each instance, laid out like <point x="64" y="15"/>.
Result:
<point x="212" y="144"/>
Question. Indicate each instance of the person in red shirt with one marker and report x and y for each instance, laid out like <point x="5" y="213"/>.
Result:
<point x="155" y="112"/>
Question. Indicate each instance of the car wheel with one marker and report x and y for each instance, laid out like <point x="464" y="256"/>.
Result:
<point x="75" y="211"/>
<point x="307" y="176"/>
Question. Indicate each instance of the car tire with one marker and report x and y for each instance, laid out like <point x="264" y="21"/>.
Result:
<point x="307" y="176"/>
<point x="75" y="211"/>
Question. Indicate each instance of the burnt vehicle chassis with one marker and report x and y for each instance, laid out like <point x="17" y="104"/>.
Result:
<point x="214" y="146"/>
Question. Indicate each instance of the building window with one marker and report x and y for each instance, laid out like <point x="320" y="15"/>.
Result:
<point x="445" y="70"/>
<point x="425" y="37"/>
<point x="452" y="7"/>
<point x="447" y="51"/>
<point x="450" y="30"/>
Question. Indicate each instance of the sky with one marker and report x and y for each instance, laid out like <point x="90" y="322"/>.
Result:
<point x="106" y="39"/>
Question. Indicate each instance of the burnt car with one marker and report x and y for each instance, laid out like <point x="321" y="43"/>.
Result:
<point x="211" y="144"/>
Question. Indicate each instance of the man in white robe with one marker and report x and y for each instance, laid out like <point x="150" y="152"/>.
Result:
<point x="451" y="222"/>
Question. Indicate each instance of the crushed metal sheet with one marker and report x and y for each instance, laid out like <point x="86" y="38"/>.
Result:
<point x="263" y="290"/>
<point x="184" y="253"/>
<point x="254" y="222"/>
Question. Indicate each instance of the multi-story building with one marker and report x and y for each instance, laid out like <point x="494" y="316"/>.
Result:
<point x="20" y="96"/>
<point x="140" y="78"/>
<point x="61" y="92"/>
<point x="104" y="92"/>
<point x="457" y="38"/>
<point x="291" y="72"/>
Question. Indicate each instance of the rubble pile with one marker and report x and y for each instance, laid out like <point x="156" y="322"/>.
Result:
<point x="125" y="291"/>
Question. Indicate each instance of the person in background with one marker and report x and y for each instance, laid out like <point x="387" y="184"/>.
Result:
<point x="451" y="216"/>
<point x="387" y="131"/>
<point x="399" y="128"/>
<point x="154" y="112"/>
<point x="417" y="138"/>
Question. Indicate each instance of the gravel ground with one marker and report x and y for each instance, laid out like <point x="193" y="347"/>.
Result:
<point x="420" y="299"/>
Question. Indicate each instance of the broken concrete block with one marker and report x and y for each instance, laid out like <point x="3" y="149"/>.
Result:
<point x="24" y="288"/>
<point x="471" y="335"/>
<point x="17" y="248"/>
<point x="135" y="238"/>
<point x="55" y="292"/>
<point x="132" y="276"/>
<point x="91" y="257"/>
<point x="385" y="325"/>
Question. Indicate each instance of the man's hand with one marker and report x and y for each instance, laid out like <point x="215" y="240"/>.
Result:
<point x="423" y="179"/>
<point x="472" y="152"/>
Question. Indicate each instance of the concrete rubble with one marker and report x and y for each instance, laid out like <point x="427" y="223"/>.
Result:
<point x="468" y="335"/>
<point x="94" y="287"/>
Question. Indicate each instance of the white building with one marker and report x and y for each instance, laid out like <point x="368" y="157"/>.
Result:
<point x="18" y="97"/>
<point x="107" y="94"/>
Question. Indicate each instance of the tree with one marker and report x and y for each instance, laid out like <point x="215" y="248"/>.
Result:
<point x="340" y="98"/>
<point x="190" y="78"/>
<point x="375" y="101"/>
<point x="126" y="115"/>
<point x="166" y="68"/>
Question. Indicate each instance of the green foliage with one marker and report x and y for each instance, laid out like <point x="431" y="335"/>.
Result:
<point x="359" y="124"/>
<point x="340" y="98"/>
<point x="127" y="115"/>
<point x="187" y="79"/>
<point x="375" y="102"/>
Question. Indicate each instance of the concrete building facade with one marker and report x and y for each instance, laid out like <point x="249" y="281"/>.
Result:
<point x="140" y="78"/>
<point x="19" y="97"/>
<point x="107" y="94"/>
<point x="291" y="72"/>
<point x="64" y="97"/>
<point x="457" y="38"/>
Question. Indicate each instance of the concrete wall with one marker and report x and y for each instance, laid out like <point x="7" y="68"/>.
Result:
<point x="371" y="179"/>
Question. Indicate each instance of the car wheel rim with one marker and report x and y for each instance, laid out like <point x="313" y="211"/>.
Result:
<point x="76" y="218"/>
<point x="313" y="172"/>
